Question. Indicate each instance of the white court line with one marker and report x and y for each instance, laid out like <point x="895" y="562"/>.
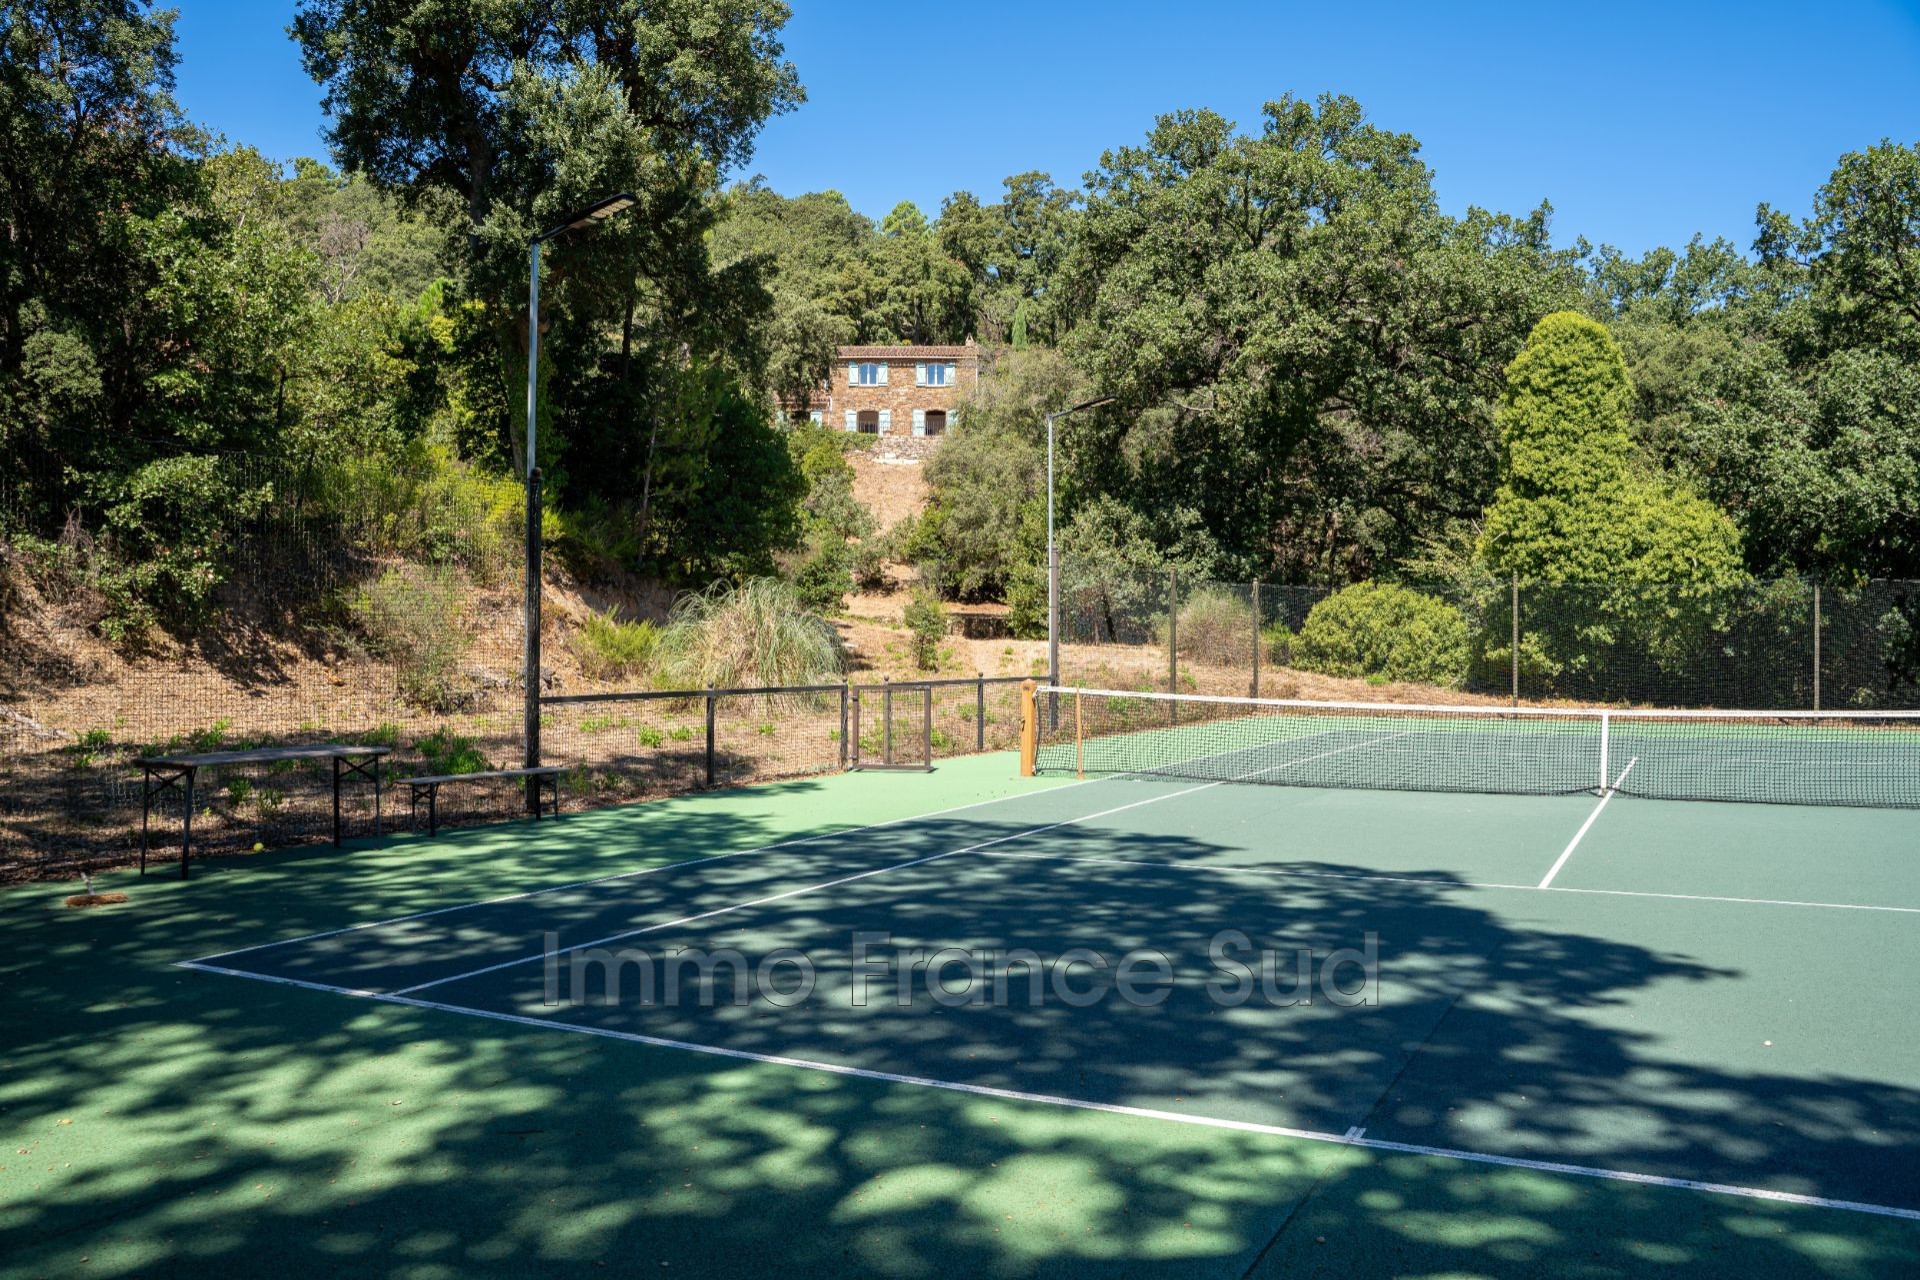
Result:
<point x="1578" y="836"/>
<point x="647" y="871"/>
<point x="1213" y="869"/>
<point x="898" y="866"/>
<point x="1353" y="1137"/>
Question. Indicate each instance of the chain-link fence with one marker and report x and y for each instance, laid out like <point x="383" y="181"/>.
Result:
<point x="1772" y="644"/>
<point x="374" y="603"/>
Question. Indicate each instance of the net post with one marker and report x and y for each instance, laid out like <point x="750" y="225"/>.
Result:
<point x="845" y="690"/>
<point x="1029" y="727"/>
<point x="1816" y="646"/>
<point x="1256" y="637"/>
<point x="1606" y="768"/>
<point x="1079" y="740"/>
<point x="886" y="721"/>
<point x="853" y="733"/>
<point x="531" y="606"/>
<point x="926" y="722"/>
<point x="1516" y="639"/>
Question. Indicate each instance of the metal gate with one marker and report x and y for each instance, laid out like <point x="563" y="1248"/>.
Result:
<point x="891" y="727"/>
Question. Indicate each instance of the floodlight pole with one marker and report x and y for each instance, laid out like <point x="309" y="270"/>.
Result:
<point x="594" y="213"/>
<point x="1053" y="558"/>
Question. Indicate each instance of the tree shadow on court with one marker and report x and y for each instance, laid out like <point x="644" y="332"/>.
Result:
<point x="170" y="1122"/>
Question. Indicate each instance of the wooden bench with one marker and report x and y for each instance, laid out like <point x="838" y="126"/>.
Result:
<point x="547" y="775"/>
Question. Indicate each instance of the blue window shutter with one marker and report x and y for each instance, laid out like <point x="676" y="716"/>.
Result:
<point x="919" y="422"/>
<point x="853" y="420"/>
<point x="886" y="421"/>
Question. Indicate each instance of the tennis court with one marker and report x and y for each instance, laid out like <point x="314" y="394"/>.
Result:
<point x="1701" y="993"/>
<point x="1587" y="1032"/>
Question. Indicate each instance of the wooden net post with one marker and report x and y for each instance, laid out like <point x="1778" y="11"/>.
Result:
<point x="1029" y="727"/>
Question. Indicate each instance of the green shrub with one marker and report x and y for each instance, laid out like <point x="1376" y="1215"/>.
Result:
<point x="1276" y="644"/>
<point x="759" y="632"/>
<point x="870" y="556"/>
<point x="1216" y="625"/>
<point x="610" y="648"/>
<point x="1380" y="630"/>
<point x="445" y="751"/>
<point x="415" y="617"/>
<point x="649" y="736"/>
<point x="927" y="624"/>
<point x="86" y="750"/>
<point x="825" y="576"/>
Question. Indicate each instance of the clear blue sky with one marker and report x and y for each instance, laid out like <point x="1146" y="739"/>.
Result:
<point x="1641" y="123"/>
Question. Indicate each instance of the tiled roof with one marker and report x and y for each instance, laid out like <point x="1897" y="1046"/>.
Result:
<point x="906" y="353"/>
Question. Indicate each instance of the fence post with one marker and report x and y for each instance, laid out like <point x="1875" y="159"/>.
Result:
<point x="980" y="711"/>
<point x="711" y="699"/>
<point x="844" y="689"/>
<point x="854" y="732"/>
<point x="1173" y="643"/>
<point x="1256" y="637"/>
<point x="886" y="721"/>
<point x="926" y="721"/>
<point x="1816" y="646"/>
<point x="531" y="605"/>
<point x="1516" y="640"/>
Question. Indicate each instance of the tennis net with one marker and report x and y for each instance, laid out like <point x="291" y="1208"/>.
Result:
<point x="1866" y="758"/>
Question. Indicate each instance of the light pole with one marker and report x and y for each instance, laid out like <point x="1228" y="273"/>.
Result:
<point x="1053" y="562"/>
<point x="590" y="216"/>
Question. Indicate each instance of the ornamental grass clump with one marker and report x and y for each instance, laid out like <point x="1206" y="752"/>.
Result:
<point x="753" y="634"/>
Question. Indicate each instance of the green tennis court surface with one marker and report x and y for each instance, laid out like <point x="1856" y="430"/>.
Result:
<point x="1692" y="1051"/>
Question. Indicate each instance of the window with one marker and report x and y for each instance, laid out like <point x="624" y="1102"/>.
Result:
<point x="934" y="375"/>
<point x="869" y="421"/>
<point x="936" y="422"/>
<point x="816" y="417"/>
<point x="866" y="375"/>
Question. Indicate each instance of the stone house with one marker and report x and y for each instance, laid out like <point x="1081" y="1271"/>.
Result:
<point x="896" y="391"/>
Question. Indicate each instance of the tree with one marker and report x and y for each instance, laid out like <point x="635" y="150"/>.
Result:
<point x="1306" y="351"/>
<point x="497" y="118"/>
<point x="1571" y="507"/>
<point x="985" y="529"/>
<point x="801" y="245"/>
<point x="1861" y="248"/>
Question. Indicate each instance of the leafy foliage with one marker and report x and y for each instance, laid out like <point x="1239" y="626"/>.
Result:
<point x="609" y="647"/>
<point x="926" y="625"/>
<point x="415" y="616"/>
<point x="825" y="577"/>
<point x="1384" y="632"/>
<point x="1305" y="351"/>
<point x="445" y="752"/>
<point x="1571" y="506"/>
